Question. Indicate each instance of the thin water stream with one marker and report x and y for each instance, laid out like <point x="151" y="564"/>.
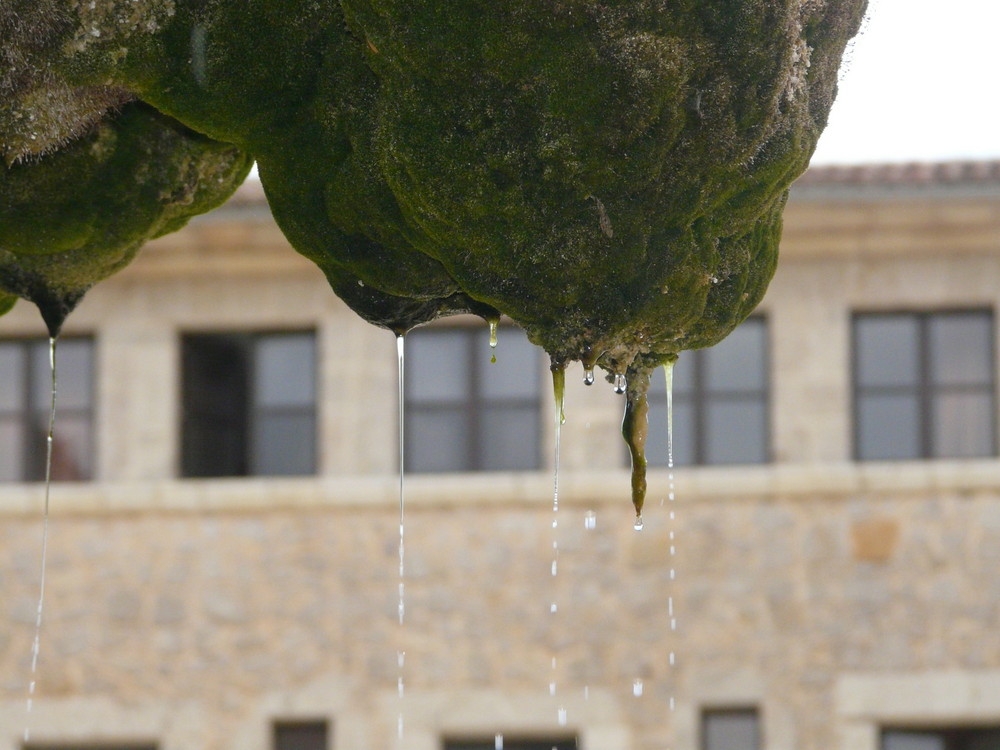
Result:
<point x="400" y="652"/>
<point x="36" y="641"/>
<point x="668" y="372"/>
<point x="559" y="393"/>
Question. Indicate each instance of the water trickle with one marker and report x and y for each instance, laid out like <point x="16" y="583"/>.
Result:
<point x="621" y="384"/>
<point x="638" y="523"/>
<point x="36" y="641"/>
<point x="559" y="394"/>
<point x="637" y="687"/>
<point x="498" y="742"/>
<point x="562" y="716"/>
<point x="400" y="654"/>
<point x="588" y="376"/>
<point x="494" y="324"/>
<point x="590" y="520"/>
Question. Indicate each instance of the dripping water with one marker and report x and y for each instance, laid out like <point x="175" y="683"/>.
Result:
<point x="588" y="376"/>
<point x="668" y="372"/>
<point x="401" y="607"/>
<point x="621" y="384"/>
<point x="559" y="392"/>
<point x="494" y="323"/>
<point x="36" y="641"/>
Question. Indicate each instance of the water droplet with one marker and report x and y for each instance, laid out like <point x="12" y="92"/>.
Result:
<point x="562" y="716"/>
<point x="638" y="523"/>
<point x="588" y="376"/>
<point x="555" y="567"/>
<point x="552" y="688"/>
<point x="673" y="658"/>
<point x="586" y="692"/>
<point x="498" y="742"/>
<point x="400" y="658"/>
<point x="620" y="383"/>
<point x="637" y="687"/>
<point x="673" y="704"/>
<point x="360" y="282"/>
<point x="553" y="608"/>
<point x="590" y="520"/>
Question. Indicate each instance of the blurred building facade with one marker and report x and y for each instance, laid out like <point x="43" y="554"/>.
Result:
<point x="223" y="559"/>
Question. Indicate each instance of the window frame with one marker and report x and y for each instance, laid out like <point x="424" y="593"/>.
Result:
<point x="253" y="410"/>
<point x="474" y="403"/>
<point x="33" y="460"/>
<point x="924" y="391"/>
<point x="706" y="714"/>
<point x="278" y="725"/>
<point x="953" y="737"/>
<point x="700" y="398"/>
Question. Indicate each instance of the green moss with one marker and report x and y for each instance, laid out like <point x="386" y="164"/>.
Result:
<point x="75" y="216"/>
<point x="7" y="302"/>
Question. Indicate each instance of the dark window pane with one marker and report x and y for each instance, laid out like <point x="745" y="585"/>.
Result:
<point x="737" y="362"/>
<point x="963" y="425"/>
<point x="464" y="413"/>
<point x="888" y="427"/>
<point x="284" y="444"/>
<point x="437" y="440"/>
<point x="735" y="432"/>
<point x="12" y="374"/>
<point x="985" y="739"/>
<point x="71" y="448"/>
<point x="215" y="403"/>
<point x="730" y="730"/>
<point x="249" y="404"/>
<point x="887" y="350"/>
<point x="313" y="735"/>
<point x="74" y="362"/>
<point x="286" y="370"/>
<point x="509" y="438"/>
<point x="12" y="454"/>
<point x="656" y="440"/>
<point x="961" y="348"/>
<point x="515" y="374"/>
<point x="913" y="741"/>
<point x="437" y="366"/>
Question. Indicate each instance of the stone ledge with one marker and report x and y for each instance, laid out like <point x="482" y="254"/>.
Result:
<point x="832" y="482"/>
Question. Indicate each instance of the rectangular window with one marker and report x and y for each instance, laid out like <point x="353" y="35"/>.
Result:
<point x="25" y="396"/>
<point x="301" y="735"/>
<point x="249" y="404"/>
<point x="984" y="738"/>
<point x="721" y="402"/>
<point x="730" y="729"/>
<point x="464" y="413"/>
<point x="924" y="385"/>
<point x="86" y="746"/>
<point x="513" y="743"/>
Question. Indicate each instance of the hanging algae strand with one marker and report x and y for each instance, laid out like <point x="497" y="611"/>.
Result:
<point x="635" y="427"/>
<point x="36" y="643"/>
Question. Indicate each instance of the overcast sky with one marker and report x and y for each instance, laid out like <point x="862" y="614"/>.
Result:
<point x="922" y="83"/>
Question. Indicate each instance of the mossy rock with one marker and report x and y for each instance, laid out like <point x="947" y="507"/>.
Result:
<point x="609" y="173"/>
<point x="74" y="216"/>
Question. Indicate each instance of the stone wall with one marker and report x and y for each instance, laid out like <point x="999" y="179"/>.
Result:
<point x="833" y="596"/>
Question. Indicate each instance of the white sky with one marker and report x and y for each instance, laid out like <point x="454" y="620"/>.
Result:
<point x="922" y="83"/>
